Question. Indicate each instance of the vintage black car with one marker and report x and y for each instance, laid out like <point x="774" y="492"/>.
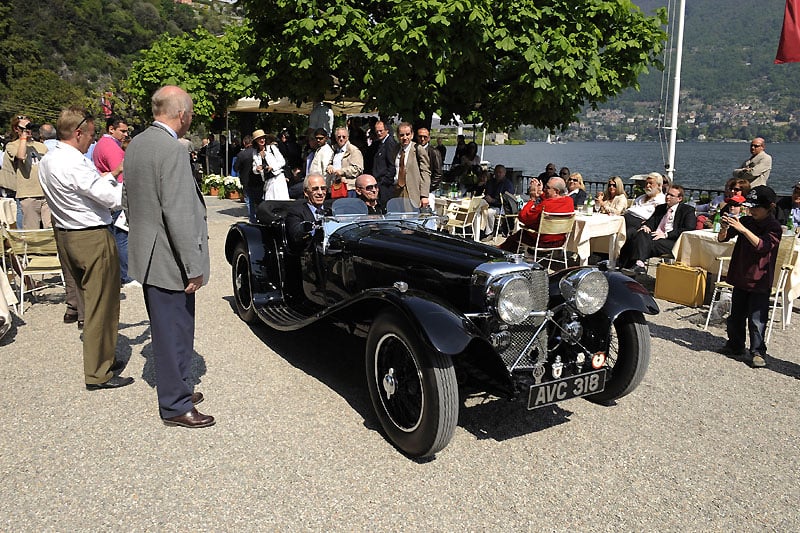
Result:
<point x="438" y="311"/>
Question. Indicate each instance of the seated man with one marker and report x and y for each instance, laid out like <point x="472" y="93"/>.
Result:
<point x="644" y="205"/>
<point x="659" y="232"/>
<point x="555" y="201"/>
<point x="301" y="221"/>
<point x="367" y="191"/>
<point x="789" y="207"/>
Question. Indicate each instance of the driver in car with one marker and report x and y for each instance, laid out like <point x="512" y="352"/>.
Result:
<point x="304" y="218"/>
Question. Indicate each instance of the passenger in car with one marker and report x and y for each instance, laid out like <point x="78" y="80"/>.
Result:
<point x="302" y="219"/>
<point x="367" y="190"/>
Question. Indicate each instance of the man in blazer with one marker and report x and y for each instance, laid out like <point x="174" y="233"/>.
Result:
<point x="301" y="218"/>
<point x="757" y="168"/>
<point x="168" y="245"/>
<point x="347" y="162"/>
<point x="658" y="234"/>
<point x="383" y="164"/>
<point x="413" y="180"/>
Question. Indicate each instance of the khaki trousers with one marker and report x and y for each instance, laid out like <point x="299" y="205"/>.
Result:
<point x="92" y="259"/>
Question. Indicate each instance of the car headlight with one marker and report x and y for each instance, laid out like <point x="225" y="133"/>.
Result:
<point x="512" y="298"/>
<point x="586" y="289"/>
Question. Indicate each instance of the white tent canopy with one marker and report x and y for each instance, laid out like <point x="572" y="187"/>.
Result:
<point x="286" y="106"/>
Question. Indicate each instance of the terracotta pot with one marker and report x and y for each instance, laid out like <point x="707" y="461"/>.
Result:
<point x="233" y="195"/>
<point x="213" y="191"/>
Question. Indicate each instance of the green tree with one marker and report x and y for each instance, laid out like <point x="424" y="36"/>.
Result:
<point x="508" y="63"/>
<point x="205" y="65"/>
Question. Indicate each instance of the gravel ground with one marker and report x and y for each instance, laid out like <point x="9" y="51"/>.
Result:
<point x="705" y="443"/>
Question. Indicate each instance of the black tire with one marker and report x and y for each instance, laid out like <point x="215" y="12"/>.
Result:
<point x="628" y="357"/>
<point x="242" y="280"/>
<point x="418" y="404"/>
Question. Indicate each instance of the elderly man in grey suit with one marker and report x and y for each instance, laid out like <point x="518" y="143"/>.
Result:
<point x="756" y="169"/>
<point x="168" y="248"/>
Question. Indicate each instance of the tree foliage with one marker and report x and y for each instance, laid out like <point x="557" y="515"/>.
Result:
<point x="507" y="63"/>
<point x="207" y="66"/>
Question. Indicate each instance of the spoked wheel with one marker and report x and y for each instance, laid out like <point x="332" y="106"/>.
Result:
<point x="413" y="389"/>
<point x="628" y="357"/>
<point x="242" y="289"/>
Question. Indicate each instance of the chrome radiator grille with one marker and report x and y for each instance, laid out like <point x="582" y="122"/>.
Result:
<point x="521" y="334"/>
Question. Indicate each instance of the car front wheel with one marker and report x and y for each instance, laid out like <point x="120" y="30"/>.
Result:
<point x="628" y="357"/>
<point x="242" y="289"/>
<point x="413" y="388"/>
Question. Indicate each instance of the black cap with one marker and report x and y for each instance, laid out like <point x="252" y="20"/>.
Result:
<point x="761" y="196"/>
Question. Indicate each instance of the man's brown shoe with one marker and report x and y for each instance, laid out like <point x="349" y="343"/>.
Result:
<point x="197" y="397"/>
<point x="192" y="419"/>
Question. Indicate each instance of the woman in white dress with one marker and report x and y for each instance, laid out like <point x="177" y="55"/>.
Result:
<point x="268" y="163"/>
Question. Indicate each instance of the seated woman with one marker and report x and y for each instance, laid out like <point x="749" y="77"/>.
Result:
<point x="613" y="201"/>
<point x="576" y="189"/>
<point x="733" y="187"/>
<point x="789" y="206"/>
<point x="555" y="200"/>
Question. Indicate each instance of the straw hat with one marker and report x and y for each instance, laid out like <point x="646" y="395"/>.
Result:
<point x="258" y="133"/>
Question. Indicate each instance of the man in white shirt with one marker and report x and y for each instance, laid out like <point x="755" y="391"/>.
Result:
<point x="322" y="155"/>
<point x="81" y="201"/>
<point x="645" y="204"/>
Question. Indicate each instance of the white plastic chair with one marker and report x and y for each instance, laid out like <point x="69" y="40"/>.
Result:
<point x="550" y="224"/>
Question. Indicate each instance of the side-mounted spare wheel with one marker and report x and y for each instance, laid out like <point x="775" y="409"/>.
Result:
<point x="413" y="388"/>
<point x="628" y="357"/>
<point x="242" y="280"/>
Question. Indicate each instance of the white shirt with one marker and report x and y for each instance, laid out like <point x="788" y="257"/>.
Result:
<point x="78" y="196"/>
<point x="644" y="207"/>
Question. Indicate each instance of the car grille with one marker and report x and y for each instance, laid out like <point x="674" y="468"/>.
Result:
<point x="521" y="334"/>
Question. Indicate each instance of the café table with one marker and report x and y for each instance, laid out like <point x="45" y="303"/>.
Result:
<point x="597" y="232"/>
<point x="700" y="248"/>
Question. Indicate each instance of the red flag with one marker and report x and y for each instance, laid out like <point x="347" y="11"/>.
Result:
<point x="789" y="46"/>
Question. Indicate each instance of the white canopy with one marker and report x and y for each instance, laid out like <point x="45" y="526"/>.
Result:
<point x="284" y="105"/>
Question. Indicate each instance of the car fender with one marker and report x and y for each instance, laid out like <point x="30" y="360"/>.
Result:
<point x="624" y="294"/>
<point x="255" y="239"/>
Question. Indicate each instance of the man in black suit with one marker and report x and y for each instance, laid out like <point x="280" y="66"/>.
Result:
<point x="383" y="167"/>
<point x="303" y="216"/>
<point x="658" y="234"/>
<point x="252" y="184"/>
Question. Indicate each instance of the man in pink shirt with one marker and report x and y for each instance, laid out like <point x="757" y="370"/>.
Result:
<point x="107" y="156"/>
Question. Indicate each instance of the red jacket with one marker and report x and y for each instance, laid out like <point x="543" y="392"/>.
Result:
<point x="531" y="213"/>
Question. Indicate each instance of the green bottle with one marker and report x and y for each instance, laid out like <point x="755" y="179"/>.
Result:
<point x="716" y="222"/>
<point x="790" y="223"/>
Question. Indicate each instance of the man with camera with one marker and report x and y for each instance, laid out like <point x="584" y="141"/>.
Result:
<point x="21" y="169"/>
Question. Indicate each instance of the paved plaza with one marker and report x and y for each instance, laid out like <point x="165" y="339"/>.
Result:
<point x="704" y="444"/>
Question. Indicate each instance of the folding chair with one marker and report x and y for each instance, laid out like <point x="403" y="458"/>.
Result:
<point x="787" y="256"/>
<point x="460" y="217"/>
<point x="509" y="215"/>
<point x="34" y="253"/>
<point x="550" y="224"/>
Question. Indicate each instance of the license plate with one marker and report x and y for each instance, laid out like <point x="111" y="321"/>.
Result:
<point x="566" y="388"/>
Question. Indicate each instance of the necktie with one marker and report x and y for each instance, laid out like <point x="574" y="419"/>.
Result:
<point x="662" y="227"/>
<point x="401" y="174"/>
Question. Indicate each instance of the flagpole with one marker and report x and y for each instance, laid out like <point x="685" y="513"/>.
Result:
<point x="676" y="93"/>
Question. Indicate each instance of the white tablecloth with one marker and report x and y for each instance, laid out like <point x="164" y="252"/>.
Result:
<point x="599" y="232"/>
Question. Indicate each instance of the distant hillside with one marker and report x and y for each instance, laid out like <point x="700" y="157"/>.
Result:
<point x="729" y="48"/>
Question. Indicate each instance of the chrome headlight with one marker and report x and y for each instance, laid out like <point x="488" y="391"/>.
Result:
<point x="585" y="289"/>
<point x="512" y="298"/>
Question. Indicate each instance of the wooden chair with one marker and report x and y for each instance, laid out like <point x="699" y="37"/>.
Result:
<point x="34" y="254"/>
<point x="460" y="217"/>
<point x="787" y="256"/>
<point x="550" y="224"/>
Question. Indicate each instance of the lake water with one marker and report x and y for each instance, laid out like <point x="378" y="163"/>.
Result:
<point x="699" y="165"/>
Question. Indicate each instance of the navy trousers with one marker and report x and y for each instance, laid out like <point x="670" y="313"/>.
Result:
<point x="172" y="332"/>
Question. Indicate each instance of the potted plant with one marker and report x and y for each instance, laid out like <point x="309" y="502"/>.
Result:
<point x="231" y="188"/>
<point x="212" y="184"/>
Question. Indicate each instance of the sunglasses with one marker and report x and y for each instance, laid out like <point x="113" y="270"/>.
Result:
<point x="572" y="180"/>
<point x="82" y="122"/>
<point x="673" y="195"/>
<point x="373" y="187"/>
<point x="737" y="189"/>
<point x="341" y="136"/>
<point x="320" y="138"/>
<point x="612" y="184"/>
<point x="755" y="145"/>
<point x="318" y="188"/>
<point x="21" y="117"/>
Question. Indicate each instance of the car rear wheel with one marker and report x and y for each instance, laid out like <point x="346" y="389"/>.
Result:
<point x="628" y="357"/>
<point x="242" y="289"/>
<point x="413" y="388"/>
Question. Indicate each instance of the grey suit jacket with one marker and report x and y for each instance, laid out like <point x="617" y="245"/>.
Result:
<point x="168" y="238"/>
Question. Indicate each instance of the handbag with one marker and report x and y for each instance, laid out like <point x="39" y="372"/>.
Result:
<point x="339" y="190"/>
